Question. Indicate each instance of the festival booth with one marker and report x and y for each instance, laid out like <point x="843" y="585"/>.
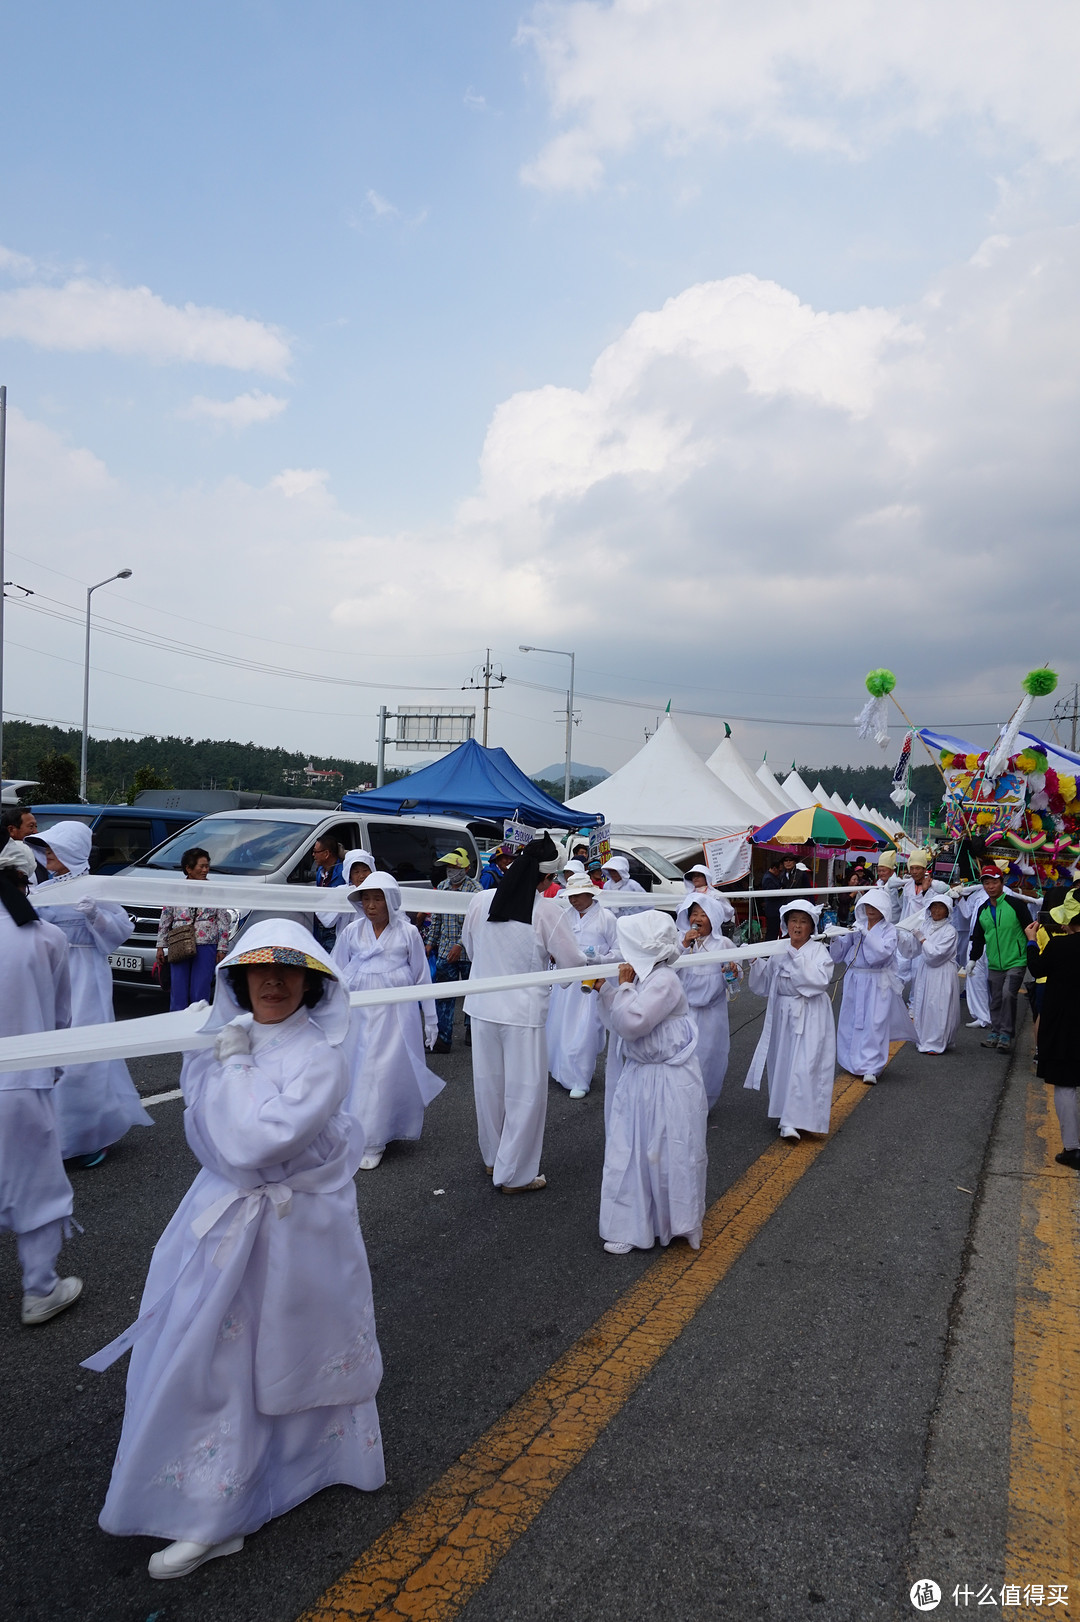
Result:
<point x="472" y="781"/>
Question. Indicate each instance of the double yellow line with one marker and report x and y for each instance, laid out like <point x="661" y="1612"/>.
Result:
<point x="446" y="1545"/>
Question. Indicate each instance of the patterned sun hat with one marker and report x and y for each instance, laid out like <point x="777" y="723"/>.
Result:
<point x="288" y="956"/>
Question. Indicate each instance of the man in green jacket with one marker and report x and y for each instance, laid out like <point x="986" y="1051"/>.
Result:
<point x="999" y="931"/>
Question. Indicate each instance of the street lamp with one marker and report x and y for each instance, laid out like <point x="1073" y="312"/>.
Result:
<point x="123" y="574"/>
<point x="562" y="653"/>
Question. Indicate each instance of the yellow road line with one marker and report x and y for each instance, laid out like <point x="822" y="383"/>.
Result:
<point x="1043" y="1540"/>
<point x="434" y="1558"/>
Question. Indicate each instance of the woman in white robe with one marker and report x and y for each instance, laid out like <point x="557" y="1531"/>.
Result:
<point x="872" y="1013"/>
<point x="698" y="881"/>
<point x="391" y="1083"/>
<point x="655" y="1159"/>
<point x="798" y="1041"/>
<point x="976" y="975"/>
<point x="616" y="876"/>
<point x="930" y="942"/>
<point x="255" y="1364"/>
<point x="355" y="867"/>
<point x="35" y="1195"/>
<point x="95" y="1103"/>
<point x="706" y="988"/>
<point x="575" y="1030"/>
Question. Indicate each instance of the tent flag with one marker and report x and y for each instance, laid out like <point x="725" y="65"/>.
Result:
<point x="471" y="781"/>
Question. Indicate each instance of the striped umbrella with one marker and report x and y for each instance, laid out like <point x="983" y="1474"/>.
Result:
<point x="824" y="827"/>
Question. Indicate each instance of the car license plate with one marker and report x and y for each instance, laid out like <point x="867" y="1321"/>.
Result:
<point x="124" y="960"/>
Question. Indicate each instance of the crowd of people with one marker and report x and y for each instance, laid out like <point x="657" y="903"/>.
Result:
<point x="255" y="1363"/>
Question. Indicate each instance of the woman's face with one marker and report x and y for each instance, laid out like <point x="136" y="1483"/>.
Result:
<point x="800" y="926"/>
<point x="938" y="912"/>
<point x="276" y="991"/>
<point x="872" y="916"/>
<point x="581" y="903"/>
<point x="199" y="870"/>
<point x="53" y="862"/>
<point x="375" y="908"/>
<point x="699" y="881"/>
<point x="359" y="872"/>
<point x="700" y="920"/>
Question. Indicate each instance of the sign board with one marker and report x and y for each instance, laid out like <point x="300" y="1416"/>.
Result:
<point x="433" y="728"/>
<point x="600" y="842"/>
<point x="727" y="857"/>
<point x="518" y="835"/>
<point x="970" y="796"/>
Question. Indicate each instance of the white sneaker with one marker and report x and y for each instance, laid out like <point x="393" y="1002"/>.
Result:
<point x="789" y="1134"/>
<point x="871" y="1081"/>
<point x="180" y="1558"/>
<point x="37" y="1308"/>
<point x="370" y="1161"/>
<point x="579" y="1092"/>
<point x="614" y="1249"/>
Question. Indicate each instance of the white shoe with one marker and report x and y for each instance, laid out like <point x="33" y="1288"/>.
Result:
<point x="579" y="1092"/>
<point x="789" y="1134"/>
<point x="614" y="1249"/>
<point x="37" y="1308"/>
<point x="871" y="1081"/>
<point x="180" y="1558"/>
<point x="371" y="1160"/>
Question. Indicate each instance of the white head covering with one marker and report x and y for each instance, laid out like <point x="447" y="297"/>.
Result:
<point x="352" y="856"/>
<point x="700" y="868"/>
<point x="580" y="884"/>
<point x="19" y="856"/>
<point x="331" y="1012"/>
<point x="387" y="883"/>
<point x="880" y="905"/>
<point x="619" y="865"/>
<point x="799" y="906"/>
<point x="946" y="901"/>
<point x="710" y="903"/>
<point x="646" y="939"/>
<point x="70" y="841"/>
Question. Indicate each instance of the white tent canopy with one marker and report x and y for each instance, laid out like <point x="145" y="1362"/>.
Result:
<point x="797" y="791"/>
<point x="764" y="775"/>
<point x="667" y="797"/>
<point x="735" y="774"/>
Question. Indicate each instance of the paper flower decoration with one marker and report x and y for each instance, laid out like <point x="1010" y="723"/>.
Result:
<point x="1039" y="683"/>
<point x="873" y="719"/>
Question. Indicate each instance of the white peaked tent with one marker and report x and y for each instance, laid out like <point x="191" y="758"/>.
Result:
<point x="732" y="770"/>
<point x="852" y="809"/>
<point x="667" y="797"/>
<point x="764" y="775"/>
<point x="797" y="791"/>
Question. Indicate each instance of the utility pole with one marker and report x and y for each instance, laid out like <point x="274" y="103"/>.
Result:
<point x="380" y="769"/>
<point x="483" y="676"/>
<point x="1063" y="712"/>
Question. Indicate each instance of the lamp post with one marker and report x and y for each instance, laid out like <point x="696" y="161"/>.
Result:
<point x="122" y="574"/>
<point x="562" y="653"/>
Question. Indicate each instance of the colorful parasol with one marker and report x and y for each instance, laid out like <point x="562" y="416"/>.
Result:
<point x="824" y="828"/>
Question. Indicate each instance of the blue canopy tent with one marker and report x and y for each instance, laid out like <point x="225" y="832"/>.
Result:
<point x="471" y="782"/>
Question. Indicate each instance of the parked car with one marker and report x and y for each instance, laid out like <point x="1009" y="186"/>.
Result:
<point x="651" y="870"/>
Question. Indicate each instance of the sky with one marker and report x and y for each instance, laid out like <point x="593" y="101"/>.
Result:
<point x="734" y="349"/>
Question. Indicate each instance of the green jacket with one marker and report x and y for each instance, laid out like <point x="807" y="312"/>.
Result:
<point x="1000" y="929"/>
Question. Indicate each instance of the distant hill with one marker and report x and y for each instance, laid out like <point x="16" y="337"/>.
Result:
<point x="583" y="774"/>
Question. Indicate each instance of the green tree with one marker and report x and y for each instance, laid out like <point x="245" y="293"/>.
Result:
<point x="57" y="780"/>
<point x="147" y="777"/>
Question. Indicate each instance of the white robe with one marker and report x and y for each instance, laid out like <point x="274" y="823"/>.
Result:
<point x="391" y="1083"/>
<point x="255" y="1364"/>
<point x="95" y="1103"/>
<point x="655" y="1159"/>
<point x="935" y="992"/>
<point x="872" y="1013"/>
<point x="706" y="993"/>
<point x="575" y="1029"/>
<point x="628" y="887"/>
<point x="798" y="1042"/>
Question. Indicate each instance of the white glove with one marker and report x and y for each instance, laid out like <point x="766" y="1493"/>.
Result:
<point x="831" y="931"/>
<point x="431" y="1033"/>
<point x="234" y="1039"/>
<point x="86" y="905"/>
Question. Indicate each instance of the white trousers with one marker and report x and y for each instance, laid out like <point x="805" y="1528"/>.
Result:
<point x="38" y="1251"/>
<point x="510" y="1085"/>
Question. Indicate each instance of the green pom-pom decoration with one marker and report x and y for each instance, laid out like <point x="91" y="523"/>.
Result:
<point x="1038" y="683"/>
<point x="881" y="682"/>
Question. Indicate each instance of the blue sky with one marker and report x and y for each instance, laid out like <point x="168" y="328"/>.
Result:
<point x="393" y="390"/>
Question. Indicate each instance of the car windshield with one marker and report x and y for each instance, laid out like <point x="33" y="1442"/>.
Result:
<point x="49" y="819"/>
<point x="235" y="845"/>
<point x="660" y="864"/>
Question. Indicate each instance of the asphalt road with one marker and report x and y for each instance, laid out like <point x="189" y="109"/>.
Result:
<point x="769" y="1466"/>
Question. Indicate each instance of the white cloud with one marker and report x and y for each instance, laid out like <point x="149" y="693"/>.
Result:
<point x="245" y="409"/>
<point x="474" y="101"/>
<point x="381" y="207"/>
<point x="15" y="264"/>
<point x="300" y="481"/>
<point x="86" y="316"/>
<point x="811" y="74"/>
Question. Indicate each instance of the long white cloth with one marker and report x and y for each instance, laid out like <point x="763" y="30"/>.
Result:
<point x="391" y="1085"/>
<point x="511" y="947"/>
<point x="575" y="1030"/>
<point x="798" y="1040"/>
<point x="872" y="1012"/>
<point x="95" y="1103"/>
<point x="255" y="1364"/>
<point x="654" y="1158"/>
<point x="935" y="991"/>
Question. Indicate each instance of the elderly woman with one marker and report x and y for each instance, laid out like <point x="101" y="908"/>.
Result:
<point x="391" y="1083"/>
<point x="872" y="1013"/>
<point x="95" y="1103"/>
<point x="255" y="1364"/>
<point x="930" y="942"/>
<point x="798" y="1040"/>
<point x="191" y="978"/>
<point x="616" y="876"/>
<point x="700" y="923"/>
<point x="575" y="1030"/>
<point x="654" y="1159"/>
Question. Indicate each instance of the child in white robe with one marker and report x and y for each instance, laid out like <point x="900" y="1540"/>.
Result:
<point x="35" y="1195"/>
<point x="872" y="1012"/>
<point x="391" y="1083"/>
<point x="575" y="1030"/>
<point x="654" y="1158"/>
<point x="798" y="1041"/>
<point x="700" y="923"/>
<point x="255" y="1364"/>
<point x="930" y="942"/>
<point x="95" y="1103"/>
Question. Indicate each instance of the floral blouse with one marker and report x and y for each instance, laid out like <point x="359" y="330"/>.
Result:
<point x="211" y="925"/>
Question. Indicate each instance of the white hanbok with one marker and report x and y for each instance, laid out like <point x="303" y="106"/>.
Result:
<point x="707" y="992"/>
<point x="872" y="1012"/>
<point x="976" y="976"/>
<point x="391" y="1084"/>
<point x="935" y="990"/>
<point x="255" y="1362"/>
<point x="798" y="1041"/>
<point x="625" y="885"/>
<point x="95" y="1103"/>
<point x="575" y="1029"/>
<point x="655" y="1158"/>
